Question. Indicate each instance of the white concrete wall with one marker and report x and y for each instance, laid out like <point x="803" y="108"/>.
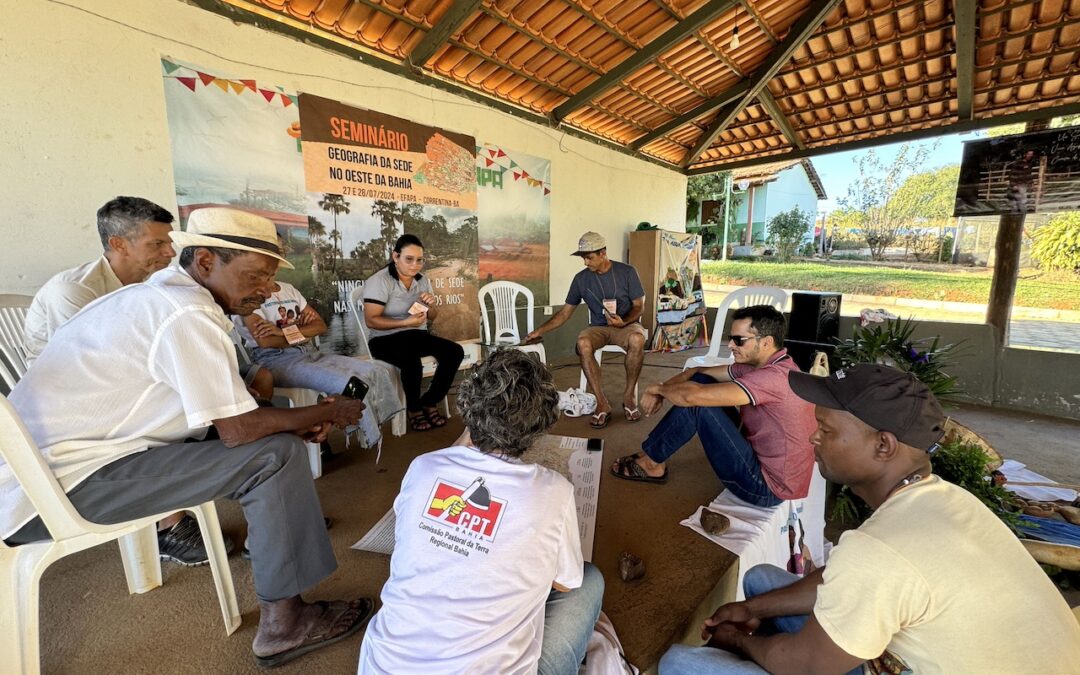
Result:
<point x="790" y="189"/>
<point x="83" y="115"/>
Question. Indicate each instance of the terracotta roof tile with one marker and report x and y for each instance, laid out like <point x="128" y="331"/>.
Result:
<point x="872" y="68"/>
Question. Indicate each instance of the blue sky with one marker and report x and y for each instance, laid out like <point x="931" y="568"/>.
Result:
<point x="838" y="169"/>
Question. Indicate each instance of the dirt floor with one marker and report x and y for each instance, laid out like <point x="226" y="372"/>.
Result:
<point x="89" y="623"/>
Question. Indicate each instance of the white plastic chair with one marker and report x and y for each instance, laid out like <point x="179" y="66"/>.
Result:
<point x="399" y="425"/>
<point x="744" y="297"/>
<point x="297" y="398"/>
<point x="504" y="295"/>
<point x="13" y="363"/>
<point x="21" y="567"/>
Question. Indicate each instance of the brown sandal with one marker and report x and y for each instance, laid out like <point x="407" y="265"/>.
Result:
<point x="350" y="618"/>
<point x="434" y="418"/>
<point x="419" y="421"/>
<point x="628" y="469"/>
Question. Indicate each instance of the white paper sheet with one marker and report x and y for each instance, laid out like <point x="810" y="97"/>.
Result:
<point x="564" y="454"/>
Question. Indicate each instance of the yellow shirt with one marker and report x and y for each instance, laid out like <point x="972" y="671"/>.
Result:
<point x="934" y="577"/>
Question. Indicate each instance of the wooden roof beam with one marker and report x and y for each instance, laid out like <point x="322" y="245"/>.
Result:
<point x="901" y="137"/>
<point x="451" y="21"/>
<point x="721" y="99"/>
<point x="965" y="17"/>
<point x="798" y="35"/>
<point x="687" y="26"/>
<point x="765" y="98"/>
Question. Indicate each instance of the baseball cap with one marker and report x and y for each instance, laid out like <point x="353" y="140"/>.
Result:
<point x="885" y="398"/>
<point x="589" y="242"/>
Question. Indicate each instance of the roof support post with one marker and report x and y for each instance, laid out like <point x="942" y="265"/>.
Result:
<point x="800" y="32"/>
<point x="702" y="16"/>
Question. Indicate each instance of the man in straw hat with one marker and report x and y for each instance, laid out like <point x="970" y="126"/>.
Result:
<point x="120" y="401"/>
<point x="933" y="582"/>
<point x="613" y="293"/>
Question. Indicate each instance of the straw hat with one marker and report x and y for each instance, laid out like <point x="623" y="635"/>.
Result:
<point x="230" y="228"/>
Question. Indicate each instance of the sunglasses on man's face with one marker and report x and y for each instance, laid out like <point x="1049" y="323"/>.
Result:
<point x="740" y="340"/>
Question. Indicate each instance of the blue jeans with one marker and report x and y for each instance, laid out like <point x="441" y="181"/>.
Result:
<point x="568" y="623"/>
<point x="729" y="453"/>
<point x="684" y="659"/>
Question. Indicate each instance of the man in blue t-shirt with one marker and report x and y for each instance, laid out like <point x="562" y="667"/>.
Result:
<point x="613" y="293"/>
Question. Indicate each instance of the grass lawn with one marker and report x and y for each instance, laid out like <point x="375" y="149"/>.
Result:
<point x="1052" y="290"/>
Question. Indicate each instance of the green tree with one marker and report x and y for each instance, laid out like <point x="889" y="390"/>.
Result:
<point x="336" y="205"/>
<point x="1056" y="245"/>
<point x="786" y="232"/>
<point x="873" y="191"/>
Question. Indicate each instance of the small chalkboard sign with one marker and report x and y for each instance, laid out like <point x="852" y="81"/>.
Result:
<point x="1022" y="173"/>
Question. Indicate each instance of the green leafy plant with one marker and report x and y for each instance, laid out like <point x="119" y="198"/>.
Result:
<point x="966" y="465"/>
<point x="786" y="231"/>
<point x="1056" y="245"/>
<point x="891" y="343"/>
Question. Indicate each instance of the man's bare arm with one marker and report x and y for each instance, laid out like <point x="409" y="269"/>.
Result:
<point x="263" y="422"/>
<point x="268" y="335"/>
<point x="685" y="394"/>
<point x="561" y="317"/>
<point x="810" y="651"/>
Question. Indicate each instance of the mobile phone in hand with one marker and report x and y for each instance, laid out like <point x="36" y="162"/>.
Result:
<point x="356" y="388"/>
<point x="594" y="445"/>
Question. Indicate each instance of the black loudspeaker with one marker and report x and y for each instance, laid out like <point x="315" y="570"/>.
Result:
<point x="815" y="316"/>
<point x="802" y="353"/>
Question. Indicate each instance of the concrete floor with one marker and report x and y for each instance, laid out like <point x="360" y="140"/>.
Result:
<point x="90" y="624"/>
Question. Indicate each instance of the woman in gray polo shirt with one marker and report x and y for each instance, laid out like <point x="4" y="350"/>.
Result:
<point x="398" y="302"/>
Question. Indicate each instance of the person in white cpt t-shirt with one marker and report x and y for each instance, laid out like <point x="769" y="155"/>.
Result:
<point x="487" y="573"/>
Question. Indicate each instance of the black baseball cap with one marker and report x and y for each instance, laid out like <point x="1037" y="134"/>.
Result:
<point x="885" y="398"/>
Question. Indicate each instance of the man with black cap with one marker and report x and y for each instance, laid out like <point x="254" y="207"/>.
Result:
<point x="120" y="407"/>
<point x="932" y="582"/>
<point x="613" y="293"/>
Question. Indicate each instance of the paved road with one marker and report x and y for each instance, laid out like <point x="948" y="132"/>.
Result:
<point x="1060" y="335"/>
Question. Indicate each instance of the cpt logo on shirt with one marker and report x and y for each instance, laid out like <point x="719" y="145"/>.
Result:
<point x="470" y="508"/>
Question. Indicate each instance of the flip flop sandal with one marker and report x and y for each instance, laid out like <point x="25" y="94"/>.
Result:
<point x="632" y="415"/>
<point x="359" y="610"/>
<point x="600" y="420"/>
<point x="627" y="469"/>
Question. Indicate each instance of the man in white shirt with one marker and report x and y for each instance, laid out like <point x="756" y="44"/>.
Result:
<point x="121" y="387"/>
<point x="135" y="235"/>
<point x="932" y="582"/>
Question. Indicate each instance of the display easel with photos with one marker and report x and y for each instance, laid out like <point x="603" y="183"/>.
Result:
<point x="669" y="266"/>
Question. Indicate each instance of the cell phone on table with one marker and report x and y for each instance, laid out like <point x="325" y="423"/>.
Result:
<point x="595" y="445"/>
<point x="356" y="388"/>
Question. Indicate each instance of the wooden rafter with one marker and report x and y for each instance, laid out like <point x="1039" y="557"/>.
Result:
<point x="702" y="16"/>
<point x="721" y="99"/>
<point x="451" y="21"/>
<point x="765" y="98"/>
<point x="800" y="32"/>
<point x="965" y="16"/>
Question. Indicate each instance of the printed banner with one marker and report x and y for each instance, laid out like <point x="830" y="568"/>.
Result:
<point x="372" y="177"/>
<point x="342" y="183"/>
<point x="514" y="191"/>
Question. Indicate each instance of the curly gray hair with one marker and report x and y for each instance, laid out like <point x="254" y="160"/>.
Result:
<point x="507" y="401"/>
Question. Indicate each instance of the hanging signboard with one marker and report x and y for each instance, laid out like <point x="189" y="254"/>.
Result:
<point x="1023" y="173"/>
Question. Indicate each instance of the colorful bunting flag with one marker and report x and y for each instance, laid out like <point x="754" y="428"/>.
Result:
<point x="250" y="84"/>
<point x="286" y="101"/>
<point x="237" y="87"/>
<point x="268" y="94"/>
<point x="223" y="85"/>
<point x="546" y="192"/>
<point x="188" y="82"/>
<point x="169" y="66"/>
<point x="206" y="78"/>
